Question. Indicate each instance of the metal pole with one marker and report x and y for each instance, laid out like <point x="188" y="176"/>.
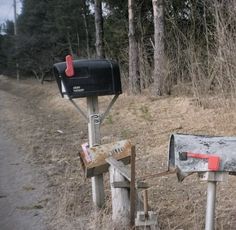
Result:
<point x="210" y="210"/>
<point x="15" y="33"/>
<point x="94" y="139"/>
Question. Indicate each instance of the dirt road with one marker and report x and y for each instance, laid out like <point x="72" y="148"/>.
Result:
<point x="22" y="185"/>
<point x="41" y="177"/>
<point x="21" y="189"/>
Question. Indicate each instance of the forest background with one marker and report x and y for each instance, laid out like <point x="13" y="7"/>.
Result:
<point x="162" y="46"/>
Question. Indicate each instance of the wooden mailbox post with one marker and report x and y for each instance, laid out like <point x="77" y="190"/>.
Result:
<point x="103" y="158"/>
<point x="113" y="157"/>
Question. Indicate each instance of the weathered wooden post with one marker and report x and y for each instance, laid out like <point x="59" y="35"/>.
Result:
<point x="123" y="194"/>
<point x="112" y="157"/>
<point x="146" y="219"/>
<point x="120" y="199"/>
<point x="125" y="199"/>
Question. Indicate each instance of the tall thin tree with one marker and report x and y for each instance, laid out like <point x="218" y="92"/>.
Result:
<point x="15" y="33"/>
<point x="134" y="74"/>
<point x="86" y="27"/>
<point x="158" y="73"/>
<point x="99" y="29"/>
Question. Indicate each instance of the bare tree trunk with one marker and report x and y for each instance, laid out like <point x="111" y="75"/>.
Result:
<point x="134" y="74"/>
<point x="86" y="27"/>
<point x="78" y="44"/>
<point x="158" y="74"/>
<point x="144" y="66"/>
<point x="99" y="29"/>
<point x="69" y="44"/>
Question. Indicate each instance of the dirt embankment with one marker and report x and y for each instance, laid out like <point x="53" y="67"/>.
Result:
<point x="51" y="132"/>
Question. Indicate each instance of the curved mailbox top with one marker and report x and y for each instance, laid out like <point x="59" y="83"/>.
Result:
<point x="191" y="153"/>
<point x="92" y="77"/>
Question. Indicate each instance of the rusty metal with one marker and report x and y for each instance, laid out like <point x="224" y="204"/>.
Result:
<point x="94" y="159"/>
<point x="160" y="174"/>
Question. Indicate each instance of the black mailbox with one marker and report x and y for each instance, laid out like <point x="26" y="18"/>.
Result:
<point x="88" y="78"/>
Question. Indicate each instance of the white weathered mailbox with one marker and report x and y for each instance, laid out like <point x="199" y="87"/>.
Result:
<point x="211" y="157"/>
<point x="191" y="153"/>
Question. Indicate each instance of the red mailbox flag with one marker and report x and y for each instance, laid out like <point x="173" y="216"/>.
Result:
<point x="213" y="160"/>
<point x="69" y="66"/>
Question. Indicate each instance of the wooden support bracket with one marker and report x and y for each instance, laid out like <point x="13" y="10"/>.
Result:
<point x="119" y="166"/>
<point x="126" y="184"/>
<point x="123" y="179"/>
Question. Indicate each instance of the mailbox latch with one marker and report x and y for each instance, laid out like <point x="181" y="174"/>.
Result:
<point x="213" y="160"/>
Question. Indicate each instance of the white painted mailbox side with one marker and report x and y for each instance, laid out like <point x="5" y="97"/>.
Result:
<point x="191" y="154"/>
<point x="224" y="147"/>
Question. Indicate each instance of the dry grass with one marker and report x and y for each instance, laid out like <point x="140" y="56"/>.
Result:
<point x="206" y="62"/>
<point x="34" y="122"/>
